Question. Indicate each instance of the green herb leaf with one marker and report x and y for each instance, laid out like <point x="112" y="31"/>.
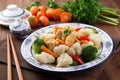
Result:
<point x="31" y="19"/>
<point x="52" y="4"/>
<point x="33" y="3"/>
<point x="67" y="31"/>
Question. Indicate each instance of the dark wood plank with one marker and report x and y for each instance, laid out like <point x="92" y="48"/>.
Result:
<point x="28" y="75"/>
<point x="102" y="76"/>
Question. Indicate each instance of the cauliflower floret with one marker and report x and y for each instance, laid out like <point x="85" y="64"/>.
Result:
<point x="64" y="60"/>
<point x="77" y="47"/>
<point x="86" y="32"/>
<point x="47" y="36"/>
<point x="51" y="43"/>
<point x="45" y="58"/>
<point x="71" y="50"/>
<point x="60" y="49"/>
<point x="85" y="45"/>
<point x="96" y="38"/>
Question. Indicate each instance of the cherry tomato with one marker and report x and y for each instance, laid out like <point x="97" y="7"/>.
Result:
<point x="49" y="13"/>
<point x="44" y="20"/>
<point x="34" y="10"/>
<point x="40" y="13"/>
<point x="42" y="8"/>
<point x="34" y="21"/>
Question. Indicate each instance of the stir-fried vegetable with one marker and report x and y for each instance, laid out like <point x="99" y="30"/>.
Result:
<point x="37" y="44"/>
<point x="60" y="41"/>
<point x="75" y="63"/>
<point x="93" y="29"/>
<point x="78" y="59"/>
<point x="89" y="53"/>
<point x="83" y="38"/>
<point x="77" y="29"/>
<point x="67" y="31"/>
<point x="74" y="49"/>
<point x="45" y="49"/>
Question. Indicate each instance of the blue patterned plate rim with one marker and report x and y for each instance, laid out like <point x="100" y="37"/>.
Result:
<point x="28" y="55"/>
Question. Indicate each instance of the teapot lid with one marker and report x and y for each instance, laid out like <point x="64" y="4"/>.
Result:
<point x="12" y="11"/>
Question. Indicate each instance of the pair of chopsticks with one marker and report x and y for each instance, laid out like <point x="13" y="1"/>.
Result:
<point x="9" y="66"/>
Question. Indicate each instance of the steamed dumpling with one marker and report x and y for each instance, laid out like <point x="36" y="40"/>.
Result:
<point x="45" y="58"/>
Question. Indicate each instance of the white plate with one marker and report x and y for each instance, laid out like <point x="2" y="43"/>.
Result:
<point x="28" y="56"/>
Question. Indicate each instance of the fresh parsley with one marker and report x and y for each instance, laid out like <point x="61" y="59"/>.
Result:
<point x="67" y="31"/>
<point x="52" y="4"/>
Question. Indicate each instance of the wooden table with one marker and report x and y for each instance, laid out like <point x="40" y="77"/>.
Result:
<point x="108" y="70"/>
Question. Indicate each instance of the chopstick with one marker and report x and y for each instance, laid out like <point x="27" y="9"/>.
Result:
<point x="9" y="65"/>
<point x="19" y="72"/>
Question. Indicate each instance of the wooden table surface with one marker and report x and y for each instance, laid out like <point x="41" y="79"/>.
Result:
<point x="108" y="70"/>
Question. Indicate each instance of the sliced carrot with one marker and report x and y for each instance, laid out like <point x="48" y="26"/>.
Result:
<point x="56" y="28"/>
<point x="60" y="41"/>
<point x="83" y="41"/>
<point x="49" y="13"/>
<point x="56" y="14"/>
<point x="65" y="17"/>
<point x="45" y="49"/>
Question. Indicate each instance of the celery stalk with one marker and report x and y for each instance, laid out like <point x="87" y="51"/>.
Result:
<point x="110" y="19"/>
<point x="110" y="9"/>
<point x="110" y="12"/>
<point x="107" y="22"/>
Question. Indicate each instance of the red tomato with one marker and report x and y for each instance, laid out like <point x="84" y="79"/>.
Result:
<point x="34" y="10"/>
<point x="42" y="8"/>
<point x="44" y="20"/>
<point x="40" y="13"/>
<point x="49" y="13"/>
<point x="34" y="21"/>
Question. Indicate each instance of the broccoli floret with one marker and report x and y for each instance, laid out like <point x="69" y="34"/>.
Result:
<point x="37" y="44"/>
<point x="89" y="53"/>
<point x="75" y="63"/>
<point x="93" y="29"/>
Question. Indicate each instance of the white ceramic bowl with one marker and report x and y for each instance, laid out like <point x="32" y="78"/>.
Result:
<point x="20" y="28"/>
